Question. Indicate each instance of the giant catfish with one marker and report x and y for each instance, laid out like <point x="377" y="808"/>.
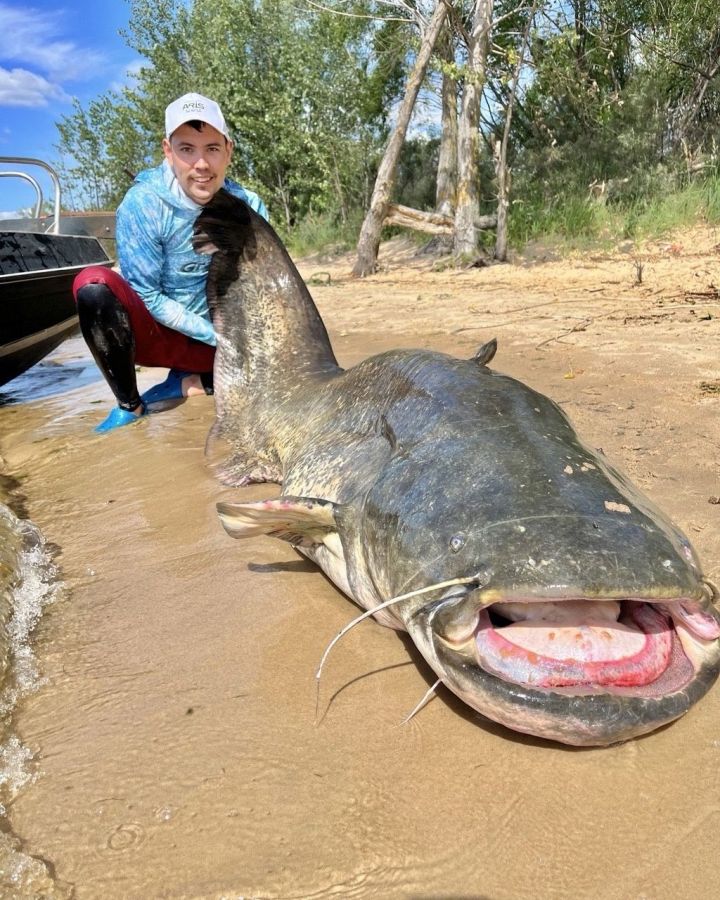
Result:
<point x="537" y="582"/>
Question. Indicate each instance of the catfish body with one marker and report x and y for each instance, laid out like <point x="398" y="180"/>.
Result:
<point x="578" y="612"/>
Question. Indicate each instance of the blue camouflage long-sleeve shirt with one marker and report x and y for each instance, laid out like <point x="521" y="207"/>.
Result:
<point x="154" y="242"/>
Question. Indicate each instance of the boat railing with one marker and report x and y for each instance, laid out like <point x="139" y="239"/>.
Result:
<point x="30" y="161"/>
<point x="38" y="190"/>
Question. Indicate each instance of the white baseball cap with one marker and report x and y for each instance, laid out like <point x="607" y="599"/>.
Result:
<point x="194" y="107"/>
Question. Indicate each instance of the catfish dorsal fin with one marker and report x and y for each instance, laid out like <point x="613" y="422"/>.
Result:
<point x="486" y="353"/>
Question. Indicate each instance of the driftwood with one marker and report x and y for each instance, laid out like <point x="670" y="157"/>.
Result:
<point x="429" y="222"/>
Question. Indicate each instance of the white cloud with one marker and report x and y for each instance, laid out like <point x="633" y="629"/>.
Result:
<point x="129" y="74"/>
<point x="37" y="35"/>
<point x="34" y="38"/>
<point x="18" y="87"/>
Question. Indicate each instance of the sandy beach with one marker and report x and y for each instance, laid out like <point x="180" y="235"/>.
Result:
<point x="175" y="742"/>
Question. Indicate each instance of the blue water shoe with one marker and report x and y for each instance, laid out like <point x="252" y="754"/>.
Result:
<point x="170" y="389"/>
<point x="117" y="418"/>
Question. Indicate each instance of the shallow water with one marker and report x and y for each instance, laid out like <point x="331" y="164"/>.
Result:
<point x="70" y="369"/>
<point x="174" y="736"/>
<point x="28" y="583"/>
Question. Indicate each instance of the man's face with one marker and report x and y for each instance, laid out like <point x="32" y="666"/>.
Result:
<point x="199" y="160"/>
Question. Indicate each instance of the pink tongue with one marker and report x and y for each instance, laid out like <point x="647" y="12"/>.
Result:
<point x="634" y="652"/>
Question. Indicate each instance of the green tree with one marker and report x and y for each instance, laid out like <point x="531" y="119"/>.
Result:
<point x="303" y="98"/>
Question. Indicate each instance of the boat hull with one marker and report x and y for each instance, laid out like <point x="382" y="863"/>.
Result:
<point x="37" y="309"/>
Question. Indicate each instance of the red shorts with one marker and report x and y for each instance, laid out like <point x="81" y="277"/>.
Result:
<point x="155" y="344"/>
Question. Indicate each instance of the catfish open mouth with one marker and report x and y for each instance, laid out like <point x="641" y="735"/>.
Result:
<point x="628" y="647"/>
<point x="582" y="672"/>
<point x="633" y="647"/>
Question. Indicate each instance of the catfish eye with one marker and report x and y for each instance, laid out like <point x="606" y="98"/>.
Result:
<point x="457" y="542"/>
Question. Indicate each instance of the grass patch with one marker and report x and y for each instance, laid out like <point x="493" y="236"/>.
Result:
<point x="573" y="222"/>
<point x="322" y="232"/>
<point x="662" y="214"/>
<point x="567" y="223"/>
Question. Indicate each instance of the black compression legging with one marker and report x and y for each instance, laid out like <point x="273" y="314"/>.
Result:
<point x="105" y="325"/>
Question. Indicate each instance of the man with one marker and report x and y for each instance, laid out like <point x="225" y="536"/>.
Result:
<point x="155" y="313"/>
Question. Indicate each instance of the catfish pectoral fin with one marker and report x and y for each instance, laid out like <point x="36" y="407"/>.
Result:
<point x="298" y="520"/>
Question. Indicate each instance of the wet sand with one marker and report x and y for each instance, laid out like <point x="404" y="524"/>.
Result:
<point x="176" y="743"/>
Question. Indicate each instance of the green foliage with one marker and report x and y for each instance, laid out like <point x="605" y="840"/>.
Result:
<point x="322" y="232"/>
<point x="570" y="217"/>
<point x="620" y="98"/>
<point x="660" y="214"/>
<point x="305" y="107"/>
<point x="417" y="170"/>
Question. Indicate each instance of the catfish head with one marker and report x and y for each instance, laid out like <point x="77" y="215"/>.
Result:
<point x="579" y="613"/>
<point x="586" y="630"/>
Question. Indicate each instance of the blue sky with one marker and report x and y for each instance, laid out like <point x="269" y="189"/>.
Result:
<point x="50" y="53"/>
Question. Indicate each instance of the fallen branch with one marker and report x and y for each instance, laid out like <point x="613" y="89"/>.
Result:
<point x="580" y="326"/>
<point x="688" y="307"/>
<point x="428" y="222"/>
<point x="654" y="313"/>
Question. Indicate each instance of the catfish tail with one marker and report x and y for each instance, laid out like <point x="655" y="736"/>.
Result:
<point x="225" y="229"/>
<point x="265" y="319"/>
<point x="226" y="225"/>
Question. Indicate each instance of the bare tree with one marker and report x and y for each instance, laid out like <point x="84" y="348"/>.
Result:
<point x="692" y="102"/>
<point x="369" y="241"/>
<point x="467" y="212"/>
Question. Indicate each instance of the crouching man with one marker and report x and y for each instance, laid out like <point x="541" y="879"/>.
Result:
<point x="155" y="313"/>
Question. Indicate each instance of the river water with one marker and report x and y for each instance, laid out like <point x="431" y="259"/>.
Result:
<point x="160" y="729"/>
<point x="29" y="582"/>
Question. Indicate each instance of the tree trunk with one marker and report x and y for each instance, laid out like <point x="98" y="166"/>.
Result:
<point x="340" y="191"/>
<point x="282" y="191"/>
<point x="369" y="241"/>
<point x="446" y="185"/>
<point x="468" y="195"/>
<point x="580" y="11"/>
<point x="503" y="190"/>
